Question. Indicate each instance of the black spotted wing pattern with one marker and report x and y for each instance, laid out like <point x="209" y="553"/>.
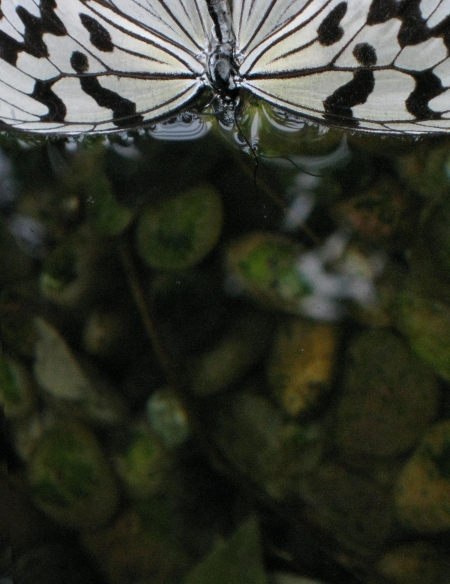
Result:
<point x="74" y="66"/>
<point x="374" y="65"/>
<point x="82" y="66"/>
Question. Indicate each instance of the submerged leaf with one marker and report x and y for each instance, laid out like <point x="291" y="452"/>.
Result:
<point x="234" y="561"/>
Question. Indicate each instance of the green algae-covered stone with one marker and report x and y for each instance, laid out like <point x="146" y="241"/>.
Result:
<point x="181" y="231"/>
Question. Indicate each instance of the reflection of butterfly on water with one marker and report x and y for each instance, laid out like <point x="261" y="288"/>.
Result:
<point x="72" y="66"/>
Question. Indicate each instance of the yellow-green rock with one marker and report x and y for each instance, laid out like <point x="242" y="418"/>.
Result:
<point x="422" y="492"/>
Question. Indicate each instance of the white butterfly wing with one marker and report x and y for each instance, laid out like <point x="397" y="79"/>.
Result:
<point x="186" y="23"/>
<point x="101" y="65"/>
<point x="358" y="63"/>
<point x="255" y="21"/>
<point x="85" y="65"/>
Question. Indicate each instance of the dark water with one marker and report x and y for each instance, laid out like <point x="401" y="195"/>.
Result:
<point x="225" y="355"/>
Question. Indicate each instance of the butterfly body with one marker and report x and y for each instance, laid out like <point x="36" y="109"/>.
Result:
<point x="75" y="66"/>
<point x="222" y="68"/>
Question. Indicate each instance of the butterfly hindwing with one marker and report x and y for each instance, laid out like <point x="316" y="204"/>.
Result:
<point x="185" y="23"/>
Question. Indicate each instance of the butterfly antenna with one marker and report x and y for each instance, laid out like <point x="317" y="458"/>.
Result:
<point x="209" y="105"/>
<point x="297" y="166"/>
<point x="250" y="146"/>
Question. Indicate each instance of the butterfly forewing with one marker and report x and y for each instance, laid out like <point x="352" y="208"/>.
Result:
<point x="95" y="69"/>
<point x="356" y="64"/>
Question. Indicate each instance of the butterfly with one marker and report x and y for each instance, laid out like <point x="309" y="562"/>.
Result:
<point x="86" y="66"/>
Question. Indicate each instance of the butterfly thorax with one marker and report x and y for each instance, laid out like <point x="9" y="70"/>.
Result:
<point x="222" y="69"/>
